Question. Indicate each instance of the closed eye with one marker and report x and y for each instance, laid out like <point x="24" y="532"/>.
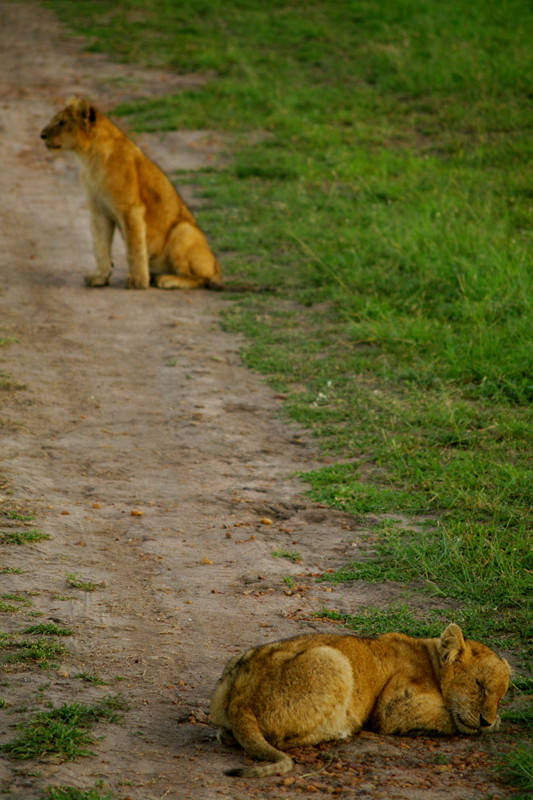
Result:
<point x="480" y="686"/>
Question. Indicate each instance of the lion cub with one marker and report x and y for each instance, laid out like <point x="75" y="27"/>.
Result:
<point x="126" y="189"/>
<point x="319" y="687"/>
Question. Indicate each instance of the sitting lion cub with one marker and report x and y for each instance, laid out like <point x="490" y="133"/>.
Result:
<point x="319" y="687"/>
<point x="127" y="190"/>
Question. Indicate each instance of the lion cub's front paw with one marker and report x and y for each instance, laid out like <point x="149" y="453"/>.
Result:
<point x="137" y="282"/>
<point x="95" y="279"/>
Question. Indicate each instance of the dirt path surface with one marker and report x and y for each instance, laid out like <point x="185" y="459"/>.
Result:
<point x="160" y="469"/>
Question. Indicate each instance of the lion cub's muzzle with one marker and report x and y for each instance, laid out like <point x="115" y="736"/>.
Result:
<point x="50" y="144"/>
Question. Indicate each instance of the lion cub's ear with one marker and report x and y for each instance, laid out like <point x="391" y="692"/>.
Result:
<point x="451" y="644"/>
<point x="82" y="108"/>
<point x="76" y="103"/>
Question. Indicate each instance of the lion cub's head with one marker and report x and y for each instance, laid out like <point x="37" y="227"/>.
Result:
<point x="473" y="681"/>
<point x="71" y="126"/>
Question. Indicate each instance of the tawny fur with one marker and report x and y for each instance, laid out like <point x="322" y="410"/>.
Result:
<point x="320" y="687"/>
<point x="125" y="189"/>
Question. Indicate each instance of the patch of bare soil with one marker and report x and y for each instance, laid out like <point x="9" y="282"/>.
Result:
<point x="160" y="468"/>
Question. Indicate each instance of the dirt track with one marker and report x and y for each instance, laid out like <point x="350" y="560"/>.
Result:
<point x="138" y="402"/>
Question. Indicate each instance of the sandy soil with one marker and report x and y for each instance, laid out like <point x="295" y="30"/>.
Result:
<point x="161" y="469"/>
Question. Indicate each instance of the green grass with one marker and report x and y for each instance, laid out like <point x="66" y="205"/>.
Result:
<point x="64" y="731"/>
<point x="90" y="677"/>
<point x="523" y="717"/>
<point x="8" y="384"/>
<point x="517" y="770"/>
<point x="459" y="560"/>
<point x="5" y="381"/>
<point x="49" y="629"/>
<point x="72" y="793"/>
<point x="479" y="622"/>
<point x="80" y="583"/>
<point x="23" y="537"/>
<point x="464" y="561"/>
<point x="388" y="200"/>
<point x="44" y="652"/>
<point x="17" y="598"/>
<point x="293" y="555"/>
<point x="18" y="515"/>
<point x="396" y="226"/>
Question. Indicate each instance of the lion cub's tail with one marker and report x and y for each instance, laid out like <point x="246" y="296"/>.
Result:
<point x="240" y="723"/>
<point x="248" y="734"/>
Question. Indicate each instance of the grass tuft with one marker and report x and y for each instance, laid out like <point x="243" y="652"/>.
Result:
<point x="17" y="598"/>
<point x="19" y="516"/>
<point x="63" y="732"/>
<point x="49" y="629"/>
<point x="80" y="583"/>
<point x="22" y="537"/>
<point x="293" y="556"/>
<point x="43" y="652"/>
<point x="90" y="677"/>
<point x="72" y="793"/>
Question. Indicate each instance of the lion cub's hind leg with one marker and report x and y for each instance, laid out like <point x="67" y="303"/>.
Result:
<point x="226" y="738"/>
<point x="315" y="706"/>
<point x="169" y="281"/>
<point x="289" y="700"/>
<point x="189" y="260"/>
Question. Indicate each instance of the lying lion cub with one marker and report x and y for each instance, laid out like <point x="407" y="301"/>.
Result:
<point x="126" y="189"/>
<point x="319" y="687"/>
